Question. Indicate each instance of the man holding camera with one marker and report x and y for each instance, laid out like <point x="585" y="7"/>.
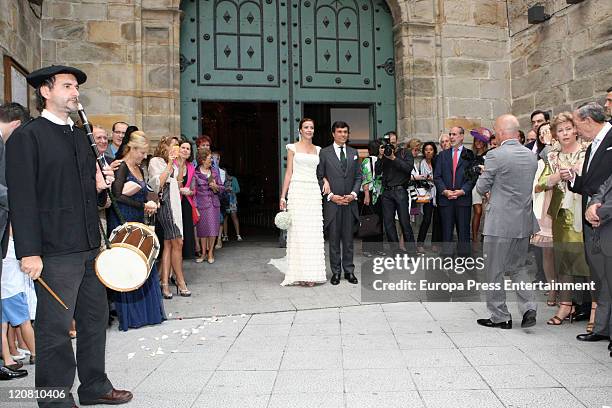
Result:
<point x="395" y="165"/>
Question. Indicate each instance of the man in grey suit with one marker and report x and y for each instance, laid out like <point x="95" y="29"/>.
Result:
<point x="339" y="164"/>
<point x="599" y="215"/>
<point x="508" y="176"/>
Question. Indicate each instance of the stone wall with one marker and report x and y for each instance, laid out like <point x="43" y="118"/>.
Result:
<point x="454" y="65"/>
<point x="129" y="50"/>
<point x="20" y="36"/>
<point x="563" y="62"/>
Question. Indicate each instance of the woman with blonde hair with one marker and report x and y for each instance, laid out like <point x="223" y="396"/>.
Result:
<point x="163" y="173"/>
<point x="566" y="212"/>
<point x="142" y="306"/>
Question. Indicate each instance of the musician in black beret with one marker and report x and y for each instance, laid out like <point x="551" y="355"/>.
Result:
<point x="53" y="189"/>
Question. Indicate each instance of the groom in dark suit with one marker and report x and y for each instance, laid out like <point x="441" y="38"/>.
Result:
<point x="339" y="164"/>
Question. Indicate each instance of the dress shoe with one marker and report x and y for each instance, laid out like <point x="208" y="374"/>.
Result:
<point x="610" y="346"/>
<point x="114" y="397"/>
<point x="335" y="279"/>
<point x="529" y="319"/>
<point x="15" y="366"/>
<point x="591" y="337"/>
<point x="8" y="374"/>
<point x="351" y="278"/>
<point x="489" y="323"/>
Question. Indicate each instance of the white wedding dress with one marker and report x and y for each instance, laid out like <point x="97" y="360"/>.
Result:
<point x="305" y="259"/>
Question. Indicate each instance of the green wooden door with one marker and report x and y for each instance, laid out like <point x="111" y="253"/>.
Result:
<point x="293" y="52"/>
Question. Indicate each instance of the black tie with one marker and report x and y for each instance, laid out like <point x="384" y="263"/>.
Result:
<point x="342" y="158"/>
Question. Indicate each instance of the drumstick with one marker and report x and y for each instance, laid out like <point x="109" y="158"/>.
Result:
<point x="44" y="284"/>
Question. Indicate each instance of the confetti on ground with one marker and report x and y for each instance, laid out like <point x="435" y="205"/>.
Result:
<point x="234" y="321"/>
<point x="184" y="337"/>
<point x="131" y="355"/>
<point x="243" y="315"/>
<point x="202" y="338"/>
<point x="159" y="351"/>
<point x="152" y="355"/>
<point x="141" y="339"/>
<point x="156" y="338"/>
<point x="175" y="331"/>
<point x="195" y="331"/>
<point x="174" y="351"/>
<point x="164" y="337"/>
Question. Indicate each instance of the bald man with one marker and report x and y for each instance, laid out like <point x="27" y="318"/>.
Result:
<point x="508" y="176"/>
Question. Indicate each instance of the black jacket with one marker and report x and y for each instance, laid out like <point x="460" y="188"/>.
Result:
<point x="51" y="177"/>
<point x="600" y="169"/>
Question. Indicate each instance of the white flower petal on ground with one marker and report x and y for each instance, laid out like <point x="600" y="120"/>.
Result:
<point x="131" y="355"/>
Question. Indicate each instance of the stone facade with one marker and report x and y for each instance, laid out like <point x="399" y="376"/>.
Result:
<point x="563" y="62"/>
<point x="129" y="50"/>
<point x="457" y="61"/>
<point x="20" y="36"/>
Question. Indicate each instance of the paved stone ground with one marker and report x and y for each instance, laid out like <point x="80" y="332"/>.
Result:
<point x="319" y="347"/>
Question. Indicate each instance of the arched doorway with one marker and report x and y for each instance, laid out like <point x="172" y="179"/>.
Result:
<point x="250" y="69"/>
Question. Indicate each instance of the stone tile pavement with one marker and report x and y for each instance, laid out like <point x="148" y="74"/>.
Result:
<point x="241" y="341"/>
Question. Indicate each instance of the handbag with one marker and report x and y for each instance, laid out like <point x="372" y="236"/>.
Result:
<point x="369" y="224"/>
<point x="195" y="215"/>
<point x="423" y="195"/>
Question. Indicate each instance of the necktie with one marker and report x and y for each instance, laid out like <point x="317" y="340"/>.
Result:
<point x="342" y="158"/>
<point x="455" y="161"/>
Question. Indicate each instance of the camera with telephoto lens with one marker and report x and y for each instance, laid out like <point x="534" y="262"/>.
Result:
<point x="386" y="143"/>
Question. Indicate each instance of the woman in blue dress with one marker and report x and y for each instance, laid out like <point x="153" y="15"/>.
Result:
<point x="144" y="305"/>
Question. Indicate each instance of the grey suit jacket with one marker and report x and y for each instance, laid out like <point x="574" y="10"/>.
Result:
<point x="604" y="232"/>
<point x="508" y="177"/>
<point x="341" y="183"/>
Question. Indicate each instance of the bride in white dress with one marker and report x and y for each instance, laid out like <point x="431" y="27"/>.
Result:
<point x="305" y="260"/>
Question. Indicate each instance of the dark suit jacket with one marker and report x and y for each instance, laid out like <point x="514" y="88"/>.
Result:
<point x="601" y="167"/>
<point x="443" y="179"/>
<point x="340" y="182"/>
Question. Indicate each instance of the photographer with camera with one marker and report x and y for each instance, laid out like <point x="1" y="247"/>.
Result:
<point x="395" y="165"/>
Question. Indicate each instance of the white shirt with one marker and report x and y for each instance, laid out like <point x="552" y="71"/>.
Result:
<point x="597" y="141"/>
<point x="53" y="118"/>
<point x="13" y="281"/>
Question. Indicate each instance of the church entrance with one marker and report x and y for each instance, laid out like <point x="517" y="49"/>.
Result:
<point x="246" y="134"/>
<point x="282" y="60"/>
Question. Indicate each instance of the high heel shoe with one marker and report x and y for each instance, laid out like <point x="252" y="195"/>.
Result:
<point x="557" y="320"/>
<point x="168" y="294"/>
<point x="183" y="292"/>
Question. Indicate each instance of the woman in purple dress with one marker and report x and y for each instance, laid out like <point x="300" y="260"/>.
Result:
<point x="208" y="188"/>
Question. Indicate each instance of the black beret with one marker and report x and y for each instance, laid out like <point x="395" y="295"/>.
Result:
<point x="37" y="77"/>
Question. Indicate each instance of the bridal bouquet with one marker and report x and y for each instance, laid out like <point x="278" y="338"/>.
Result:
<point x="282" y="220"/>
